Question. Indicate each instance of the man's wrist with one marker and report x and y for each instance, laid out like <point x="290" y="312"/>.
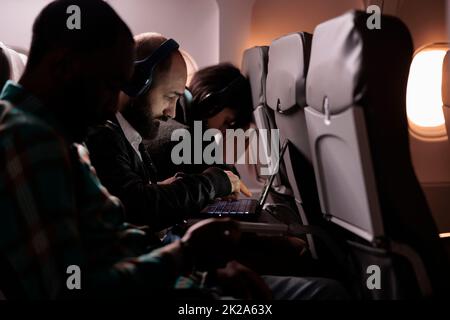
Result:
<point x="220" y="180"/>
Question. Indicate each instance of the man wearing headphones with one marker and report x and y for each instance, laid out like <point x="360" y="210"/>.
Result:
<point x="126" y="169"/>
<point x="123" y="164"/>
<point x="218" y="97"/>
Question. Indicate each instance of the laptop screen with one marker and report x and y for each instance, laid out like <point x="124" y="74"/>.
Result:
<point x="269" y="181"/>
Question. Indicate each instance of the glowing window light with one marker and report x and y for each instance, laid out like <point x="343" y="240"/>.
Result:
<point x="424" y="96"/>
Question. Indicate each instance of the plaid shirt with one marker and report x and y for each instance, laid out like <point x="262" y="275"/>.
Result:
<point x="55" y="213"/>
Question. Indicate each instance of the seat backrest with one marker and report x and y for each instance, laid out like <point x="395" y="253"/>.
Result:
<point x="4" y="68"/>
<point x="446" y="91"/>
<point x="286" y="96"/>
<point x="12" y="64"/>
<point x="254" y="67"/>
<point x="286" y="91"/>
<point x="357" y="125"/>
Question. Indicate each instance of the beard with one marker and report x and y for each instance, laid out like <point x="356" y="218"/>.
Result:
<point x="139" y="115"/>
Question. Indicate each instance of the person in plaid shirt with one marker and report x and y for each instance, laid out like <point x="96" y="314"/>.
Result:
<point x="54" y="213"/>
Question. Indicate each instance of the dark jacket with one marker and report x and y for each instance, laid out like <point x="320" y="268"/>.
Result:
<point x="161" y="146"/>
<point x="123" y="173"/>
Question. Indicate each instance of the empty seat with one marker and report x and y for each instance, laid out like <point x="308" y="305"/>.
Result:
<point x="286" y="96"/>
<point x="357" y="128"/>
<point x="446" y="91"/>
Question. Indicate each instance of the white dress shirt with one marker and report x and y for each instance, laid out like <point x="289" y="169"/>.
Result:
<point x="133" y="137"/>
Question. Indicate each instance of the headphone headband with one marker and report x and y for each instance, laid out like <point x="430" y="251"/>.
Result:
<point x="212" y="99"/>
<point x="143" y="69"/>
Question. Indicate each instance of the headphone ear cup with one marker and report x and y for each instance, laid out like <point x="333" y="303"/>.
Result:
<point x="147" y="86"/>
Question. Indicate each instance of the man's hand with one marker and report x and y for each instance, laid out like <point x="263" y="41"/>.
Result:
<point x="241" y="282"/>
<point x="237" y="186"/>
<point x="211" y="243"/>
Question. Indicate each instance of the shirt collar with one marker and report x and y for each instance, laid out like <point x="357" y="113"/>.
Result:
<point x="133" y="137"/>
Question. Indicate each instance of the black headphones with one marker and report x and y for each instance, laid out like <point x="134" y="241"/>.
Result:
<point x="143" y="69"/>
<point x="213" y="99"/>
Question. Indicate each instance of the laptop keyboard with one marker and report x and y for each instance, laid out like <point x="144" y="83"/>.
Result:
<point x="243" y="206"/>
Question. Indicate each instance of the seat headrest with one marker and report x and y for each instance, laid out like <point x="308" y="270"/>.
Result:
<point x="346" y="55"/>
<point x="288" y="66"/>
<point x="446" y="80"/>
<point x="17" y="62"/>
<point x="254" y="67"/>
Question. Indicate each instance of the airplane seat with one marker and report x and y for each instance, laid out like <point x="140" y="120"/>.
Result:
<point x="358" y="132"/>
<point x="286" y="79"/>
<point x="446" y="91"/>
<point x="4" y="68"/>
<point x="12" y="64"/>
<point x="254" y="67"/>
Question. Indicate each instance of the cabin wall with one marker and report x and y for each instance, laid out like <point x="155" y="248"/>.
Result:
<point x="16" y="20"/>
<point x="272" y="19"/>
<point x="426" y="20"/>
<point x="447" y="10"/>
<point x="427" y="23"/>
<point x="234" y="24"/>
<point x="249" y="23"/>
<point x="194" y="23"/>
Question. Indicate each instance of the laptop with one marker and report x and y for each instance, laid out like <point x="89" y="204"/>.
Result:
<point x="242" y="209"/>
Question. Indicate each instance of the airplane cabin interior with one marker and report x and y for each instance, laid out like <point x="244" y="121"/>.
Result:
<point x="353" y="96"/>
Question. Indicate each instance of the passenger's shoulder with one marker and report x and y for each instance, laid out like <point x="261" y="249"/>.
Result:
<point x="28" y="138"/>
<point x="106" y="131"/>
<point x="105" y="136"/>
<point x="24" y="127"/>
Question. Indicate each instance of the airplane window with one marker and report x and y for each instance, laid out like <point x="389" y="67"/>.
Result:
<point x="424" y="97"/>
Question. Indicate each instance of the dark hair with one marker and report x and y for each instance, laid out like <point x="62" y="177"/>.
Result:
<point x="101" y="28"/>
<point x="215" y="79"/>
<point x="146" y="44"/>
<point x="5" y="70"/>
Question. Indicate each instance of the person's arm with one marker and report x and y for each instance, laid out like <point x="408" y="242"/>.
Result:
<point x="145" y="276"/>
<point x="43" y="232"/>
<point x="38" y="215"/>
<point x="158" y="206"/>
<point x="207" y="245"/>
